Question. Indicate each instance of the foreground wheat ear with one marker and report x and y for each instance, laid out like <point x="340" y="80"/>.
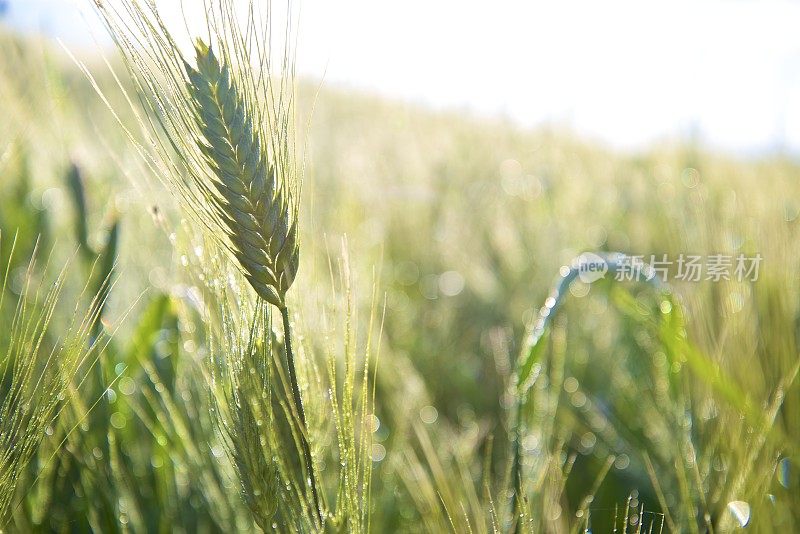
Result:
<point x="258" y="213"/>
<point x="230" y="121"/>
<point x="222" y="130"/>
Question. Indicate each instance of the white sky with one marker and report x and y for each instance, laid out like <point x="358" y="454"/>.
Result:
<point x="627" y="72"/>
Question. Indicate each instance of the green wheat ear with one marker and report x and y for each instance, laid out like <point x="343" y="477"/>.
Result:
<point x="227" y="151"/>
<point x="255" y="207"/>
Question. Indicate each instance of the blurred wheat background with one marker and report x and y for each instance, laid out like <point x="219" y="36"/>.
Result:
<point x="430" y="239"/>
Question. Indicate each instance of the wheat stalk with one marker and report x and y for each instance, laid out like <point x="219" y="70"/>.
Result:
<point x="230" y="124"/>
<point x="258" y="215"/>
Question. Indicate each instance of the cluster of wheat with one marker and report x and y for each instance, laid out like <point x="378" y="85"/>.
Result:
<point x="37" y="377"/>
<point x="221" y="121"/>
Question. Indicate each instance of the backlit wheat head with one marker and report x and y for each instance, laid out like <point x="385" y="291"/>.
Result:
<point x="220" y="124"/>
<point x="228" y="119"/>
<point x="258" y="213"/>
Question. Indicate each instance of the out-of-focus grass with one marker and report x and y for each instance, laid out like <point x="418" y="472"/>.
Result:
<point x="687" y="407"/>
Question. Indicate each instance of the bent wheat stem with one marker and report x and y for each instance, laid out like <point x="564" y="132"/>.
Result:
<point x="529" y="363"/>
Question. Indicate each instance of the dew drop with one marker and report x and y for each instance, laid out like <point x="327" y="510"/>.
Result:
<point x="429" y="414"/>
<point x="740" y="511"/>
<point x="783" y="472"/>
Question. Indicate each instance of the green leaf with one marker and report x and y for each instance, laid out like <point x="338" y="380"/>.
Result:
<point x="103" y="280"/>
<point x="680" y="350"/>
<point x="148" y="330"/>
<point x="77" y="195"/>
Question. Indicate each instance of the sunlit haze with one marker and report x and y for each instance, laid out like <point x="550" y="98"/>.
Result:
<point x="628" y="73"/>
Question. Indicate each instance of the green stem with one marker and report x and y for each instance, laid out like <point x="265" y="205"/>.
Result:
<point x="516" y="469"/>
<point x="298" y="402"/>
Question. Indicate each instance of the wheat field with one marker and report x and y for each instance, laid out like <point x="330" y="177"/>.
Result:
<point x="234" y="299"/>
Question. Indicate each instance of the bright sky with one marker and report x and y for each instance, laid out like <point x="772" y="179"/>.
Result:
<point x="623" y="71"/>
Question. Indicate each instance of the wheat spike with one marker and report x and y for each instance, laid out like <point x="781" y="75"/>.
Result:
<point x="227" y="151"/>
<point x="258" y="217"/>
